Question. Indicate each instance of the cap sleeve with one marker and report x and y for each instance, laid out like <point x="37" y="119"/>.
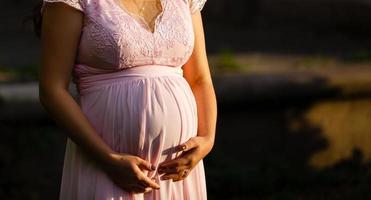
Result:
<point x="196" y="5"/>
<point x="77" y="4"/>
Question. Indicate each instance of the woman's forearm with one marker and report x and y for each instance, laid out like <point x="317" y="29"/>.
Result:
<point x="207" y="111"/>
<point x="69" y="116"/>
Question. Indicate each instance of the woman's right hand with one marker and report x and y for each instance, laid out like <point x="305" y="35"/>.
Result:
<point x="61" y="31"/>
<point x="125" y="170"/>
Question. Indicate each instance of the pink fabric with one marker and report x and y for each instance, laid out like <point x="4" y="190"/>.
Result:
<point x="133" y="92"/>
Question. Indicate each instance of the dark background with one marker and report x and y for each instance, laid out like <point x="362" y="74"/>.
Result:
<point x="293" y="82"/>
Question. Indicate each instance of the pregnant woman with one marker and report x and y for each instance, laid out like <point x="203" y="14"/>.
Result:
<point x="146" y="112"/>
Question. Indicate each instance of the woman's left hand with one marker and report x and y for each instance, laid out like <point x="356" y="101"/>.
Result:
<point x="195" y="149"/>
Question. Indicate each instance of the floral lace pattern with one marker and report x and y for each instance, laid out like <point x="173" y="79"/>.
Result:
<point x="112" y="39"/>
<point x="197" y="5"/>
<point x="74" y="3"/>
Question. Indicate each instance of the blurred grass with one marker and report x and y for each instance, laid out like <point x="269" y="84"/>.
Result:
<point x="359" y="56"/>
<point x="226" y="62"/>
<point x="20" y="73"/>
<point x="229" y="61"/>
<point x="259" y="156"/>
<point x="317" y="60"/>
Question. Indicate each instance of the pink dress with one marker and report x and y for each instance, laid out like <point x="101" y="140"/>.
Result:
<point x="133" y="92"/>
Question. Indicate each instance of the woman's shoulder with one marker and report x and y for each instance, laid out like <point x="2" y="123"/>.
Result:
<point x="76" y="4"/>
<point x="196" y="5"/>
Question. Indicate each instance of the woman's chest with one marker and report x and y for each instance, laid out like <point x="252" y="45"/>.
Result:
<point x="113" y="37"/>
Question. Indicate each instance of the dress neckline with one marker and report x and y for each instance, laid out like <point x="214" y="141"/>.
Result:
<point x="138" y="19"/>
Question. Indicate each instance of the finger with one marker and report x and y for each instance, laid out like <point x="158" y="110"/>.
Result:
<point x="144" y="187"/>
<point x="173" y="169"/>
<point x="180" y="177"/>
<point x="177" y="162"/>
<point x="170" y="176"/>
<point x="145" y="164"/>
<point x="177" y="176"/>
<point x="150" y="182"/>
<point x="146" y="184"/>
<point x="146" y="180"/>
<point x="136" y="188"/>
<point x="140" y="190"/>
<point x="188" y="145"/>
<point x="148" y="189"/>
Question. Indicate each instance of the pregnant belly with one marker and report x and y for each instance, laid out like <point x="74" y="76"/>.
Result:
<point x="143" y="116"/>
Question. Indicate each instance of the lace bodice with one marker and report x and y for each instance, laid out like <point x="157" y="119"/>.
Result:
<point x="111" y="38"/>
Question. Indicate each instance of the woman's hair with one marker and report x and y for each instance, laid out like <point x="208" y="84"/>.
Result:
<point x="37" y="18"/>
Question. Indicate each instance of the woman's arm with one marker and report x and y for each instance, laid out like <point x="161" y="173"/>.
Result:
<point x="197" y="73"/>
<point x="60" y="36"/>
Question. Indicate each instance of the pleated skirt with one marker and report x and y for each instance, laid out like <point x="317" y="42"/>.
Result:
<point x="145" y="111"/>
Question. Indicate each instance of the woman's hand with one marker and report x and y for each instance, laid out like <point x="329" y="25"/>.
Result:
<point x="126" y="171"/>
<point x="195" y="149"/>
<point x="61" y="31"/>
